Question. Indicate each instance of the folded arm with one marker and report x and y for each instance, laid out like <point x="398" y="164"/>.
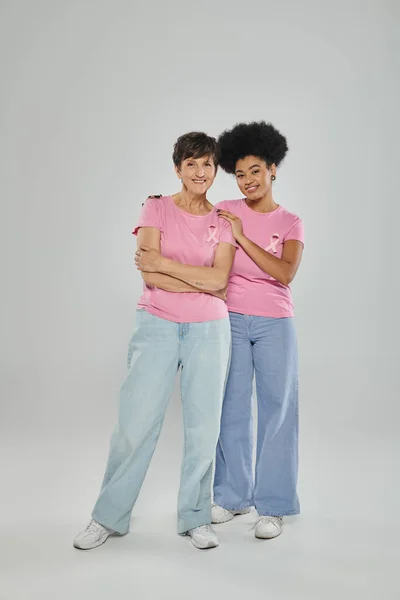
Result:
<point x="204" y="279"/>
<point x="163" y="273"/>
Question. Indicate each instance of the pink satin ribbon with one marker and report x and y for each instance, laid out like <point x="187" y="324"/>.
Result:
<point x="212" y="232"/>
<point x="273" y="245"/>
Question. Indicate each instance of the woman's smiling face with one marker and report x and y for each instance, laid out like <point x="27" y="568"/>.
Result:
<point x="197" y="174"/>
<point x="253" y="177"/>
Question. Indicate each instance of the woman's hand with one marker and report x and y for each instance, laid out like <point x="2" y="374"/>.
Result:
<point x="148" y="260"/>
<point x="236" y="223"/>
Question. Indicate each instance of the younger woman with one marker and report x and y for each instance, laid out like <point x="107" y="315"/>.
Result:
<point x="261" y="313"/>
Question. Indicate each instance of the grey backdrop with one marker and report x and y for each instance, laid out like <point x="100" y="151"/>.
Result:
<point x="93" y="96"/>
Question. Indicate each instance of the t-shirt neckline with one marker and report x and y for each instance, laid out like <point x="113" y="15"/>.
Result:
<point x="264" y="214"/>
<point x="183" y="212"/>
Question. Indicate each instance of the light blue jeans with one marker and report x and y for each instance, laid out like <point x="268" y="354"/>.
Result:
<point x="266" y="347"/>
<point x="157" y="349"/>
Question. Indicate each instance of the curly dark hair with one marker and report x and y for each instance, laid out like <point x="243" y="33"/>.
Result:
<point x="251" y="139"/>
<point x="195" y="145"/>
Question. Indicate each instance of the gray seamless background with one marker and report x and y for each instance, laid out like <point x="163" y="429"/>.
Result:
<point x="93" y="96"/>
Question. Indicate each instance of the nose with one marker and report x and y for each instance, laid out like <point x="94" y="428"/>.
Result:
<point x="248" y="178"/>
<point x="200" y="171"/>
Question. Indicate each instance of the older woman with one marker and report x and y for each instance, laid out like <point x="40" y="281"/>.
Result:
<point x="261" y="313"/>
<point x="185" y="253"/>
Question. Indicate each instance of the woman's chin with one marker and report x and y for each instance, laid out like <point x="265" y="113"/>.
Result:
<point x="254" y="197"/>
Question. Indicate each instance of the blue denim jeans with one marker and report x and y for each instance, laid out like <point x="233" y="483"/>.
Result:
<point x="265" y="347"/>
<point x="157" y="349"/>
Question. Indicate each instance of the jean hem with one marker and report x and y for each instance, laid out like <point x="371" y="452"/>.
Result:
<point x="268" y="512"/>
<point x="242" y="506"/>
<point x="184" y="525"/>
<point x="109" y="525"/>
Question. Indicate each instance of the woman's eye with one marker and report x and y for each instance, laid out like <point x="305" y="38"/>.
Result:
<point x="239" y="176"/>
<point x="255" y="172"/>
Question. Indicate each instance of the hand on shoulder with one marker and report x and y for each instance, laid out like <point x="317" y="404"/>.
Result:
<point x="153" y="196"/>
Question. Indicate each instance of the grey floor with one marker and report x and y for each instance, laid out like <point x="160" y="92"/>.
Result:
<point x="315" y="558"/>
<point x="344" y="545"/>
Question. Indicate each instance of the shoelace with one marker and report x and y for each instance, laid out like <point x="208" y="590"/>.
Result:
<point x="221" y="507"/>
<point x="204" y="529"/>
<point x="268" y="519"/>
<point x="93" y="526"/>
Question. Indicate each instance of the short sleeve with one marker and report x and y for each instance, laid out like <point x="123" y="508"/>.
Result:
<point x="226" y="234"/>
<point x="150" y="215"/>
<point x="296" y="232"/>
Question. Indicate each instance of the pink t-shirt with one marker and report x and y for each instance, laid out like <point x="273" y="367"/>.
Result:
<point x="250" y="290"/>
<point x="191" y="240"/>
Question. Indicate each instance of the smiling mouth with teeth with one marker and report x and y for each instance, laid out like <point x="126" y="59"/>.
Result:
<point x="199" y="180"/>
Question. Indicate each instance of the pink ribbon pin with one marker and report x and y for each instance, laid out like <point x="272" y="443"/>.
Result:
<point x="274" y="241"/>
<point x="212" y="232"/>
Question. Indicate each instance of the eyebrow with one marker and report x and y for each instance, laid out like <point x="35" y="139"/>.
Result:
<point x="252" y="167"/>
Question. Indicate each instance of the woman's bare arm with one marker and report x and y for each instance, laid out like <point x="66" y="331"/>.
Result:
<point x="208" y="279"/>
<point x="282" y="269"/>
<point x="150" y="237"/>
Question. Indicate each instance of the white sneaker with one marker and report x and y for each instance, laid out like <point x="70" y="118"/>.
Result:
<point x="223" y="515"/>
<point x="203" y="537"/>
<point x="94" y="535"/>
<point x="268" y="527"/>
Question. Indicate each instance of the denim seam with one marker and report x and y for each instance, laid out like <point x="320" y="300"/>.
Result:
<point x="184" y="437"/>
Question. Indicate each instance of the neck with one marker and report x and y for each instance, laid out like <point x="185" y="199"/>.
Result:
<point x="264" y="204"/>
<point x="191" y="202"/>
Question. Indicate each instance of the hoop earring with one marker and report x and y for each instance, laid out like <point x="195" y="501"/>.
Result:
<point x="273" y="177"/>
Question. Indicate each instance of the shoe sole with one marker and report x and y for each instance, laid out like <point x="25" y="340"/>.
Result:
<point x="96" y="545"/>
<point x="269" y="537"/>
<point x="211" y="545"/>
